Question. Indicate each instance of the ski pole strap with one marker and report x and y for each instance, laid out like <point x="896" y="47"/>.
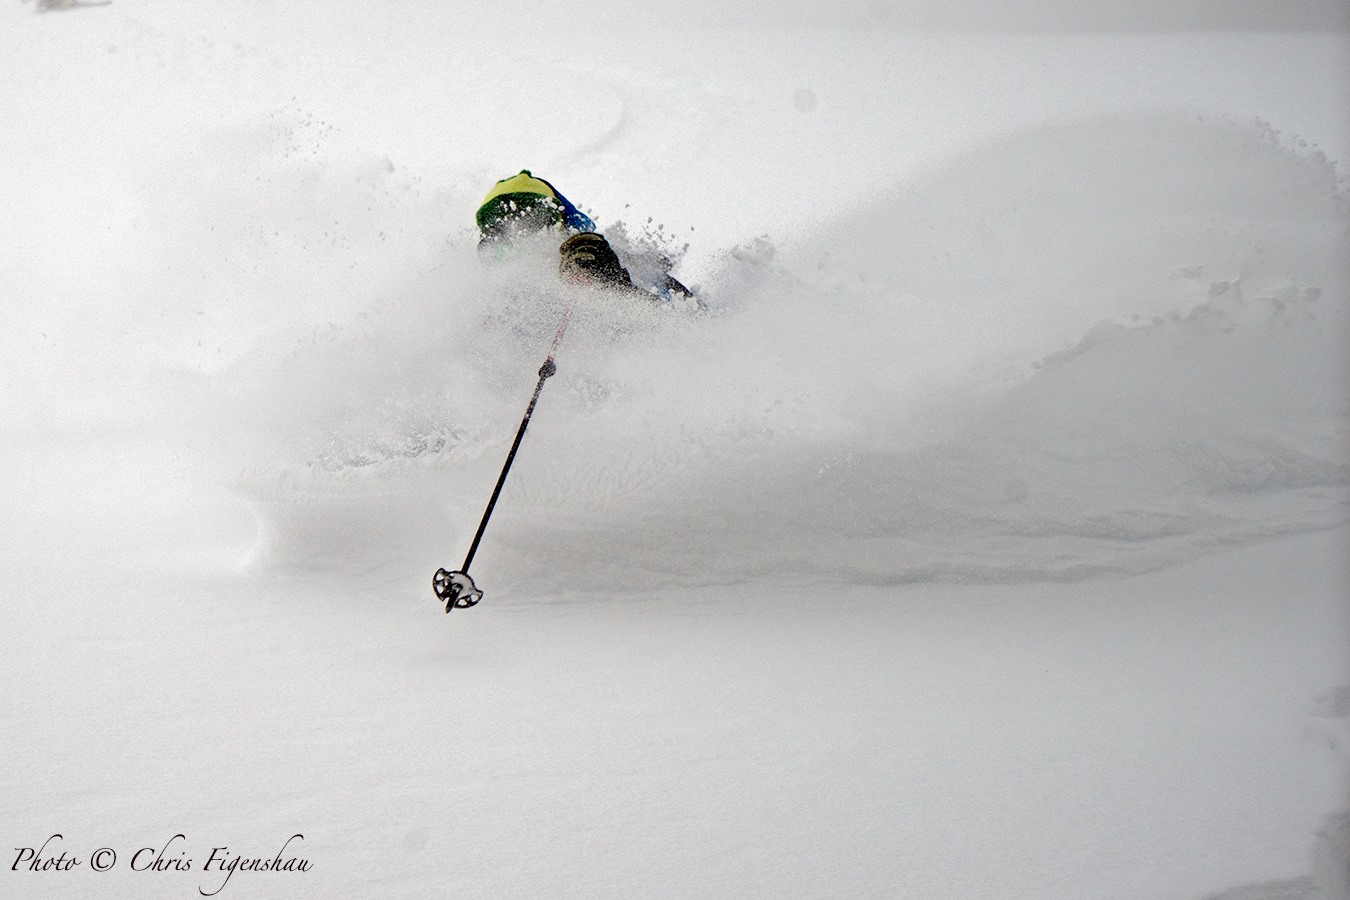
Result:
<point x="562" y="329"/>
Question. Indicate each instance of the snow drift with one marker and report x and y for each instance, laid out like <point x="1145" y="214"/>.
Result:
<point x="1096" y="347"/>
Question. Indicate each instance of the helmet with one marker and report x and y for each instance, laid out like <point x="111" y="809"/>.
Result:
<point x="521" y="204"/>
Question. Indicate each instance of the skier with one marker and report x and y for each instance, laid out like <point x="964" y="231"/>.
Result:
<point x="523" y="206"/>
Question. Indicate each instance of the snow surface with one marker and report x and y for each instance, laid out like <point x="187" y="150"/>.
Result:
<point x="987" y="538"/>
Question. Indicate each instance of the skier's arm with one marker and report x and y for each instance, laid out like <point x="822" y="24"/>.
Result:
<point x="587" y="258"/>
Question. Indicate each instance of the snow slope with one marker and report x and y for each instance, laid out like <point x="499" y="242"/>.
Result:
<point x="1176" y="384"/>
<point x="986" y="538"/>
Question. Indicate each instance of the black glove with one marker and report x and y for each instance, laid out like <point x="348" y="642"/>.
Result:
<point x="588" y="258"/>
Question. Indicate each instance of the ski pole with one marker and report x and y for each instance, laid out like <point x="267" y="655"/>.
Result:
<point x="456" y="589"/>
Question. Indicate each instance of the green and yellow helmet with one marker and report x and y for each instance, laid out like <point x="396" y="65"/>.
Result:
<point x="523" y="204"/>
<point x="520" y="204"/>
